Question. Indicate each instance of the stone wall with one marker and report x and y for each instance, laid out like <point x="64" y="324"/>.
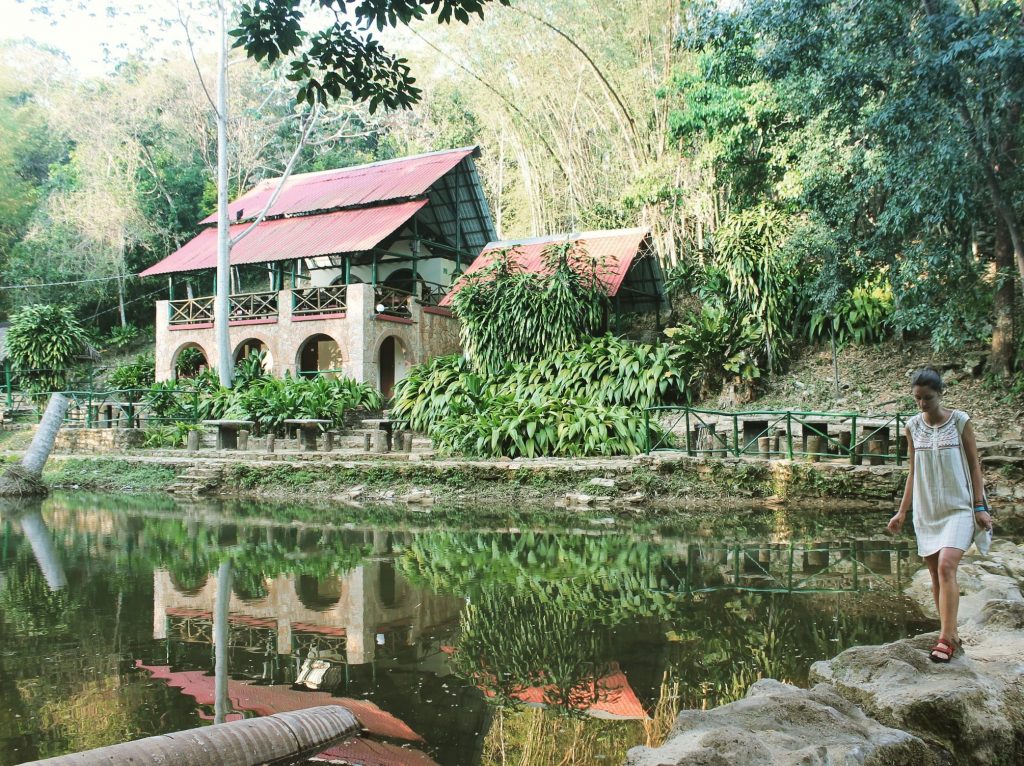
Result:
<point x="93" y="440"/>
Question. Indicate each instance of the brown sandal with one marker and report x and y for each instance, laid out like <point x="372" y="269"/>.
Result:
<point x="944" y="650"/>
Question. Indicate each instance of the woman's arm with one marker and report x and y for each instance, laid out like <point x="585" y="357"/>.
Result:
<point x="896" y="522"/>
<point x="977" y="477"/>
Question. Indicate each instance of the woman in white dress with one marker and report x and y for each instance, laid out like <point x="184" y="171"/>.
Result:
<point x="946" y="490"/>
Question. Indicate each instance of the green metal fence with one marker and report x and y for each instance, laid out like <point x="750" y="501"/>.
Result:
<point x="778" y="433"/>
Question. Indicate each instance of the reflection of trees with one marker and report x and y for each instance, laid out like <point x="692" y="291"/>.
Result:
<point x="611" y="578"/>
<point x="513" y="641"/>
<point x="31" y="608"/>
<point x="730" y="640"/>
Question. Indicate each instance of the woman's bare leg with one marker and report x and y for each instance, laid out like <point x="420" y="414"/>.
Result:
<point x="933" y="569"/>
<point x="949" y="592"/>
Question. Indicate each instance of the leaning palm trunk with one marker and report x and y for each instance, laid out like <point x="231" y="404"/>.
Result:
<point x="280" y="738"/>
<point x="38" y="535"/>
<point x="26" y="478"/>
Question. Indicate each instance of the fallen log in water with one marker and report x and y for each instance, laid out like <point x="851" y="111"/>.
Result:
<point x="274" y="739"/>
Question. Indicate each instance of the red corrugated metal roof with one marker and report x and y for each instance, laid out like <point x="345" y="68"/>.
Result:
<point x="613" y="249"/>
<point x="345" y="231"/>
<point x="267" y="700"/>
<point x="345" y="187"/>
<point x="615" y="698"/>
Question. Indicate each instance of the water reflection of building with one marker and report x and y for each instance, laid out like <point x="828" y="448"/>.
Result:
<point x="366" y="639"/>
<point x="348" y="616"/>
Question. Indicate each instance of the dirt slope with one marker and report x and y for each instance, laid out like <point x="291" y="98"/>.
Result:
<point x="876" y="379"/>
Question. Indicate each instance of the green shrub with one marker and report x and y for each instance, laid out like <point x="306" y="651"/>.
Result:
<point x="584" y="401"/>
<point x="189" y="361"/>
<point x="437" y="389"/>
<point x="133" y="377"/>
<point x="543" y="426"/>
<point x="509" y="315"/>
<point x="862" y="315"/>
<point x="43" y="342"/>
<point x="712" y="345"/>
<point x="122" y="337"/>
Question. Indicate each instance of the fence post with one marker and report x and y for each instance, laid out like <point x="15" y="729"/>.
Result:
<point x="735" y="435"/>
<point x="689" y="443"/>
<point x="647" y="429"/>
<point x="789" y="435"/>
<point x="899" y="434"/>
<point x="854" y="460"/>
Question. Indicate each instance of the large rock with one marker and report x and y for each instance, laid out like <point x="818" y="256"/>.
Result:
<point x="972" y="708"/>
<point x="781" y="725"/>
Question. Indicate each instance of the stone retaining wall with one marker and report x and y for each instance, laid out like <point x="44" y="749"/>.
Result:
<point x="97" y="440"/>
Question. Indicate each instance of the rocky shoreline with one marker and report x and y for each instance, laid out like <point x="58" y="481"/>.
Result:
<point x="652" y="482"/>
<point x="885" y="705"/>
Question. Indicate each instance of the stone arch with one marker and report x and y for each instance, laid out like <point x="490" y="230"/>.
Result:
<point x="177" y="355"/>
<point x="319" y="594"/>
<point x="393" y="356"/>
<point x="316" y="353"/>
<point x="401" y="279"/>
<point x="188" y="581"/>
<point x="254" y="344"/>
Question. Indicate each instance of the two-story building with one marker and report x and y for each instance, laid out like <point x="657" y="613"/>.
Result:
<point x="344" y="274"/>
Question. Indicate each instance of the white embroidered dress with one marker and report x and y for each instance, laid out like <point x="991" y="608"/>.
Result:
<point x="943" y="498"/>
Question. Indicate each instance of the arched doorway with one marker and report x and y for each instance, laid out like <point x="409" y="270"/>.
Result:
<point x="189" y="361"/>
<point x="392" y="363"/>
<point x="318" y="354"/>
<point x="251" y="346"/>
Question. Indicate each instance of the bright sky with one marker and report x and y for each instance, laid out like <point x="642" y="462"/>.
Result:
<point x="93" y="33"/>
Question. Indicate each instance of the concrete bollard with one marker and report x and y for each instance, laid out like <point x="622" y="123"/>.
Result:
<point x="192" y="441"/>
<point x="243" y="439"/>
<point x="845" y="440"/>
<point x="764" y="447"/>
<point x="405" y="441"/>
<point x="721" y="445"/>
<point x="875" y="453"/>
<point x="271" y="442"/>
<point x="815" y="445"/>
<point x="367" y="441"/>
<point x="328" y="441"/>
<point x="380" y="441"/>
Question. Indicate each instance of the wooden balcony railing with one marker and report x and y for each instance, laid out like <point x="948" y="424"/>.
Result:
<point x="319" y="300"/>
<point x="392" y="301"/>
<point x="192" y="310"/>
<point x="242" y="306"/>
<point x="253" y="306"/>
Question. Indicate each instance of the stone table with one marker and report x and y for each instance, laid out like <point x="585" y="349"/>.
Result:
<point x="308" y="430"/>
<point x="227" y="431"/>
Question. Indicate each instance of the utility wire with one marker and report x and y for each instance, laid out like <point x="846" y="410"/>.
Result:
<point x="61" y="284"/>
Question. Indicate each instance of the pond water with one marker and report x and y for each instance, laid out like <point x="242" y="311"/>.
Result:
<point x="455" y="647"/>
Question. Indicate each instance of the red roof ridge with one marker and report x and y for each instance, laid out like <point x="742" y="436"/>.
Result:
<point x="312" y="175"/>
<point x="573" y="236"/>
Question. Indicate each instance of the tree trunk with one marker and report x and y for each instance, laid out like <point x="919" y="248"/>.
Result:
<point x="42" y="443"/>
<point x="221" y="629"/>
<point x="280" y="738"/>
<point x="38" y="535"/>
<point x="1001" y="357"/>
<point x="26" y="478"/>
<point x="221" y="307"/>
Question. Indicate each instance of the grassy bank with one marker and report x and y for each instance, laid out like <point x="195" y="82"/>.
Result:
<point x="110" y="474"/>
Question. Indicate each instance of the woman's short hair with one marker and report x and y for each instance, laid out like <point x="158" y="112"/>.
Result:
<point x="928" y="377"/>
